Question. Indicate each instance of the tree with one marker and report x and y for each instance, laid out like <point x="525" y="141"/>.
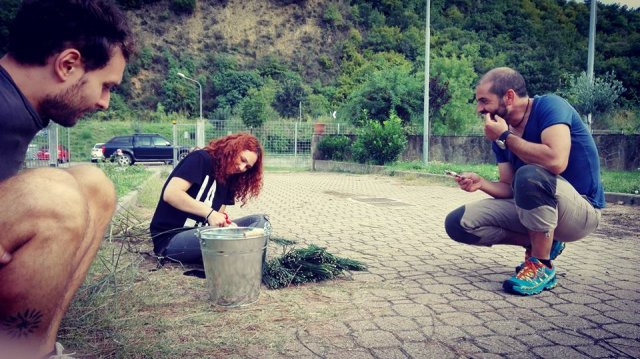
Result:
<point x="386" y="84"/>
<point x="231" y="86"/>
<point x="457" y="115"/>
<point x="597" y="97"/>
<point x="380" y="143"/>
<point x="288" y="98"/>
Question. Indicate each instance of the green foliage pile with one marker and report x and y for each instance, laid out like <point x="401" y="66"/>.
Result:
<point x="336" y="148"/>
<point x="380" y="143"/>
<point x="306" y="265"/>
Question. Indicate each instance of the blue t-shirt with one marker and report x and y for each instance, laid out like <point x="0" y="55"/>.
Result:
<point x="583" y="169"/>
<point x="19" y="123"/>
<point x="198" y="169"/>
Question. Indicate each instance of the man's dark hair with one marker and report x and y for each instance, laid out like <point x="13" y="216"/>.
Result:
<point x="43" y="28"/>
<point x="503" y="79"/>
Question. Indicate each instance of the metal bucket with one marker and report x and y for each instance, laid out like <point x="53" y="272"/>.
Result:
<point x="233" y="260"/>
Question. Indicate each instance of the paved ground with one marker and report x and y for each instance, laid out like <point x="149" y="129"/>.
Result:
<point x="426" y="296"/>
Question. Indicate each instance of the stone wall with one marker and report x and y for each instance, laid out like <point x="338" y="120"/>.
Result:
<point x="617" y="152"/>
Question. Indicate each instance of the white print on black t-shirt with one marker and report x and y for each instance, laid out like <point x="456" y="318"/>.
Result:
<point x="207" y="200"/>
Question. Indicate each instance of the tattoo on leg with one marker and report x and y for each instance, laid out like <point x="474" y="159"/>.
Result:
<point x="22" y="324"/>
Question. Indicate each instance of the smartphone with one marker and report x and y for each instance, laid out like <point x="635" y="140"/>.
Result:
<point x="453" y="174"/>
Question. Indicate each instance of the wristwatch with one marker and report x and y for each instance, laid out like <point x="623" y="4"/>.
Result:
<point x="502" y="140"/>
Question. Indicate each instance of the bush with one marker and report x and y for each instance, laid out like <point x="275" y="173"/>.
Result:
<point x="337" y="148"/>
<point x="380" y="143"/>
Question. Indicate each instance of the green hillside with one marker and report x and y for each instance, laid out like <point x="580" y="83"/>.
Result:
<point x="262" y="60"/>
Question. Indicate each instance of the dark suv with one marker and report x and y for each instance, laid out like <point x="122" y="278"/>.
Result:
<point x="143" y="147"/>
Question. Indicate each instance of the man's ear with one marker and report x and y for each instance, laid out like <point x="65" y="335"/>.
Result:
<point x="510" y="97"/>
<point x="67" y="63"/>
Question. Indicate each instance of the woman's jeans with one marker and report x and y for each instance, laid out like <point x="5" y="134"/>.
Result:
<point x="184" y="247"/>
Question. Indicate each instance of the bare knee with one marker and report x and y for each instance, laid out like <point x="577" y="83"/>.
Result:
<point x="97" y="188"/>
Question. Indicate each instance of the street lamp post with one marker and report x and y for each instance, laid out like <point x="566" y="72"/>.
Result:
<point x="200" y="123"/>
<point x="427" y="54"/>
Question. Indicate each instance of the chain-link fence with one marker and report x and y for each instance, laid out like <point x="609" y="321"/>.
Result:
<point x="286" y="143"/>
<point x="49" y="148"/>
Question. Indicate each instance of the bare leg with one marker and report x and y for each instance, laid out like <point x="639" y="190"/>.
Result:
<point x="53" y="224"/>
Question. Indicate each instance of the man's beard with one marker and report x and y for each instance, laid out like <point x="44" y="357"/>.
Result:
<point x="501" y="111"/>
<point x="65" y="108"/>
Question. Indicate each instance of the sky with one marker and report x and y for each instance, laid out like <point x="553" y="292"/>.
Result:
<point x="630" y="3"/>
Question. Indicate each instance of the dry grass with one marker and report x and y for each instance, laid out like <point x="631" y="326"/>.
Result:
<point x="130" y="307"/>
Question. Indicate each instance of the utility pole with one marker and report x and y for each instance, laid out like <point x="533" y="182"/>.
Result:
<point x="592" y="47"/>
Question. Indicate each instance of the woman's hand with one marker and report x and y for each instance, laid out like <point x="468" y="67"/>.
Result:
<point x="217" y="219"/>
<point x="469" y="182"/>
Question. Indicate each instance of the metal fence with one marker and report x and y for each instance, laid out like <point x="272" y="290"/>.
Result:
<point x="286" y="143"/>
<point x="49" y="148"/>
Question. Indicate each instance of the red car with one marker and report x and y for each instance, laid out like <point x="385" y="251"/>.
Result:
<point x="63" y="154"/>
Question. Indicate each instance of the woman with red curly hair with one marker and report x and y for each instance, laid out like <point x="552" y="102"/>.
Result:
<point x="198" y="191"/>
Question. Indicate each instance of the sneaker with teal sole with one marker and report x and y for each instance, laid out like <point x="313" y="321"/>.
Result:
<point x="556" y="249"/>
<point x="533" y="278"/>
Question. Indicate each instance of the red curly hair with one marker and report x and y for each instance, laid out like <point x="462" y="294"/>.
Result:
<point x="225" y="152"/>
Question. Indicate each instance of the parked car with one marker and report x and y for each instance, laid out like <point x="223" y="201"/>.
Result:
<point x="96" y="152"/>
<point x="144" y="147"/>
<point x="43" y="154"/>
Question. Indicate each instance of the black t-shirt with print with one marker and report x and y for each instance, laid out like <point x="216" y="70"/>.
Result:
<point x="198" y="169"/>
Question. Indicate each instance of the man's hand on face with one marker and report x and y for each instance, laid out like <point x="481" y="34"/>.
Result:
<point x="494" y="126"/>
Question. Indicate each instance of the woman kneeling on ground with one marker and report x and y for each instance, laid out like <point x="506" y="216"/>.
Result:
<point x="198" y="191"/>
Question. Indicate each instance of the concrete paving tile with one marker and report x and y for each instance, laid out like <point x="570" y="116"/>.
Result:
<point x="631" y="317"/>
<point x="571" y="323"/>
<point x="489" y="316"/>
<point x="393" y="353"/>
<point x="459" y="319"/>
<point x="500" y="344"/>
<point x="443" y="308"/>
<point x="597" y="333"/>
<point x="625" y="305"/>
<point x="362" y="325"/>
<point x="448" y="332"/>
<point x="407" y="336"/>
<point x="579" y="298"/>
<point x="520" y="356"/>
<point x="472" y="306"/>
<point x="477" y="330"/>
<point x="625" y="347"/>
<point x="534" y="340"/>
<point x="566" y="337"/>
<point x="547" y="312"/>
<point x="575" y="309"/>
<point x="376" y="339"/>
<point x="394" y="324"/>
<point x="511" y="328"/>
<point x="349" y="354"/>
<point x="623" y="330"/>
<point x="431" y="349"/>
<point x="599" y="319"/>
<point x="626" y="293"/>
<point x="563" y="352"/>
<point x="595" y="351"/>
<point x="411" y="310"/>
<point x="602" y="307"/>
